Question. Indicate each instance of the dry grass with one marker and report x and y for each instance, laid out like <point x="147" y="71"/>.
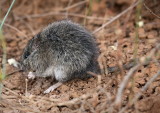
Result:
<point x="101" y="98"/>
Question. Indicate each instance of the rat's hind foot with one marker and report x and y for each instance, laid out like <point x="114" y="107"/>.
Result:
<point x="53" y="87"/>
<point x="31" y="75"/>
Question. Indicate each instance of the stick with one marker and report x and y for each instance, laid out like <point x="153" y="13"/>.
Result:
<point x="142" y="90"/>
<point x="124" y="83"/>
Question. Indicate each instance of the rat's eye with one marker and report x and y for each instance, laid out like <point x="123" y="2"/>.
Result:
<point x="26" y="54"/>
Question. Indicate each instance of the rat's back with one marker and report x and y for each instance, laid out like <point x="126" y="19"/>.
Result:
<point x="69" y="34"/>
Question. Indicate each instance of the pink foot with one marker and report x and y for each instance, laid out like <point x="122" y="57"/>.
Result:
<point x="53" y="87"/>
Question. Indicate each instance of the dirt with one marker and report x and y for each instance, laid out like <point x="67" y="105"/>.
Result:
<point x="117" y="45"/>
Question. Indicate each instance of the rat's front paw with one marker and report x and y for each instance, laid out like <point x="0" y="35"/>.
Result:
<point x="31" y="75"/>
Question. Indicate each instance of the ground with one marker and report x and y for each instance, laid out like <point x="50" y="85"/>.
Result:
<point x="117" y="43"/>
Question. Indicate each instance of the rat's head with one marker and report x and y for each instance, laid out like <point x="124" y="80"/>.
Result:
<point x="30" y="49"/>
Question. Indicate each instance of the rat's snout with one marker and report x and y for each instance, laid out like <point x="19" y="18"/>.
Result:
<point x="23" y="65"/>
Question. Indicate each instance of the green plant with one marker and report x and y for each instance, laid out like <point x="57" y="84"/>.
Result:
<point x="136" y="42"/>
<point x="3" y="45"/>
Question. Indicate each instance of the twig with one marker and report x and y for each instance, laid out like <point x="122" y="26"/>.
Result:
<point x="60" y="13"/>
<point x="91" y="73"/>
<point x="29" y="27"/>
<point x="127" y="66"/>
<point x="21" y="96"/>
<point x="118" y="16"/>
<point x="73" y="101"/>
<point x="74" y="5"/>
<point x="151" y="11"/>
<point x="95" y="75"/>
<point x="14" y="28"/>
<point x="26" y="88"/>
<point x="124" y="83"/>
<point x="69" y="3"/>
<point x="14" y="72"/>
<point x="16" y="106"/>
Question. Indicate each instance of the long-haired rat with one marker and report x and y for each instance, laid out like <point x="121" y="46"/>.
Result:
<point x="64" y="50"/>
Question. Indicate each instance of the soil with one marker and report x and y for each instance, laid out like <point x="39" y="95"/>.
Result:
<point x="117" y="43"/>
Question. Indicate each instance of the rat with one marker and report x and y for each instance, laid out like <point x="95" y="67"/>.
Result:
<point x="64" y="50"/>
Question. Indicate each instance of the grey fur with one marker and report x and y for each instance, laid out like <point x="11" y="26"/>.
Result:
<point x="64" y="50"/>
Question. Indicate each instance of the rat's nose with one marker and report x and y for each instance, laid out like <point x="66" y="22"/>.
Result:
<point x="22" y="66"/>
